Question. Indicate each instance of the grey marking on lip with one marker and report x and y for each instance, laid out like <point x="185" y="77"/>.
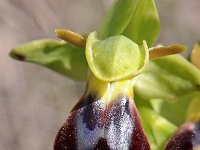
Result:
<point x="117" y="133"/>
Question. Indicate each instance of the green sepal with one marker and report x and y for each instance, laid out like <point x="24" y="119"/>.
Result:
<point x="144" y="24"/>
<point x="168" y="78"/>
<point x="118" y="18"/>
<point x="136" y="19"/>
<point x="183" y="109"/>
<point x="115" y="58"/>
<point x="170" y="84"/>
<point x="193" y="111"/>
<point x="58" y="56"/>
<point x="157" y="128"/>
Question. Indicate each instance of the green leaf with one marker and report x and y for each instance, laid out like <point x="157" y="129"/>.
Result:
<point x="136" y="19"/>
<point x="184" y="109"/>
<point x="168" y="78"/>
<point x="157" y="128"/>
<point x="115" y="58"/>
<point x="174" y="111"/>
<point x="58" y="56"/>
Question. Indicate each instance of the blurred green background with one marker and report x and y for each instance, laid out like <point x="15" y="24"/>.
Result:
<point x="34" y="102"/>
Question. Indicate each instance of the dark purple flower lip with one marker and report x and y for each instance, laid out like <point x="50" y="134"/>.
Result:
<point x="97" y="125"/>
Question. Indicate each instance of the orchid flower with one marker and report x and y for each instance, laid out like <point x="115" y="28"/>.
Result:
<point x="136" y="94"/>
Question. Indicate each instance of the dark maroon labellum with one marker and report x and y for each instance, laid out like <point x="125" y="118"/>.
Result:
<point x="100" y="126"/>
<point x="187" y="137"/>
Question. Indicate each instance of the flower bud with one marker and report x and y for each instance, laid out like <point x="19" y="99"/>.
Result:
<point x="187" y="137"/>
